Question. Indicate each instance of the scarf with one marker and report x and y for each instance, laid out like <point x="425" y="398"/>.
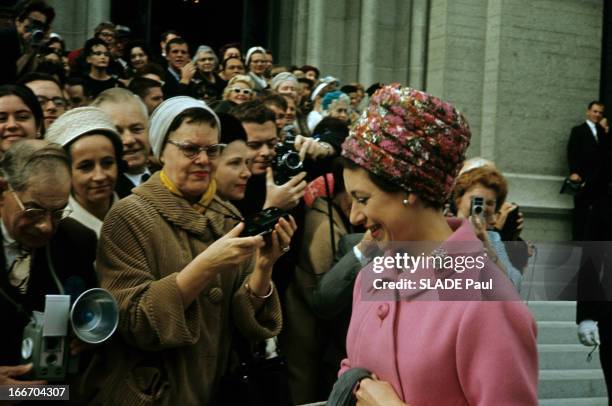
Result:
<point x="204" y="201"/>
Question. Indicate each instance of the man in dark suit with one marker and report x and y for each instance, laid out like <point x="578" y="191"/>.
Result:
<point x="42" y="252"/>
<point x="585" y="150"/>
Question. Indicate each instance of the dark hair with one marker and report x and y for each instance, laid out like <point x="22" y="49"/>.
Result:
<point x="231" y="129"/>
<point x="591" y="104"/>
<point x="306" y="81"/>
<point x="253" y="112"/>
<point x="154" y="69"/>
<point x="53" y="69"/>
<point x="92" y="42"/>
<point x="349" y="89"/>
<point x="122" y="165"/>
<point x="274" y="99"/>
<point x="23" y="9"/>
<point x="140" y="86"/>
<point x="29" y="99"/>
<point x="32" y="76"/>
<point x="195" y="115"/>
<point x="224" y="63"/>
<point x="105" y="25"/>
<point x="136" y="44"/>
<point x="228" y="46"/>
<point x="165" y="34"/>
<point x="59" y="41"/>
<point x="308" y="68"/>
<point x="175" y="41"/>
<point x="381" y="183"/>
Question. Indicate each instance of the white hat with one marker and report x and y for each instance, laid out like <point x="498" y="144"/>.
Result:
<point x="80" y="121"/>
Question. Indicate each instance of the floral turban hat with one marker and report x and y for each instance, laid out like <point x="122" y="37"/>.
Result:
<point x="412" y="139"/>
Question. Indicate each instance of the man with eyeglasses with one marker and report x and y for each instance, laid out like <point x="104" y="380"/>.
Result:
<point x="43" y="252"/>
<point x="49" y="94"/>
<point x="31" y="21"/>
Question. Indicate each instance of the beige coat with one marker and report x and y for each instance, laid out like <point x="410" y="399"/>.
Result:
<point x="166" y="354"/>
<point x="303" y="337"/>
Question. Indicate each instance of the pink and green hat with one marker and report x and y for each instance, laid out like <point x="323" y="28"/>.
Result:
<point x="412" y="139"/>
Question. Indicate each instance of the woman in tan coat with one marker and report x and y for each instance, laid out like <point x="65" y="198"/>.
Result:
<point x="172" y="256"/>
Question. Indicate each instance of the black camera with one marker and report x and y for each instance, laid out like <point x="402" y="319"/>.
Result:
<point x="477" y="206"/>
<point x="287" y="163"/>
<point x="37" y="29"/>
<point x="263" y="223"/>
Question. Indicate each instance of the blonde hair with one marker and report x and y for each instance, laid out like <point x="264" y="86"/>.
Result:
<point x="246" y="79"/>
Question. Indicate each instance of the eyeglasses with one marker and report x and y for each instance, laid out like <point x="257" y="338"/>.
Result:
<point x="239" y="90"/>
<point x="107" y="34"/>
<point x="258" y="144"/>
<point x="101" y="53"/>
<point x="258" y="61"/>
<point x="34" y="214"/>
<point x="192" y="150"/>
<point x="58" y="101"/>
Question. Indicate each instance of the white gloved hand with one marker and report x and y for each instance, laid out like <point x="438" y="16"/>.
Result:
<point x="588" y="334"/>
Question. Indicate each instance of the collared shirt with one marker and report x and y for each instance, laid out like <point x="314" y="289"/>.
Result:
<point x="136" y="178"/>
<point x="12" y="249"/>
<point x="176" y="76"/>
<point x="80" y="214"/>
<point x="593" y="128"/>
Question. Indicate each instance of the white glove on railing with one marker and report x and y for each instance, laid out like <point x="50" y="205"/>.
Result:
<point x="588" y="334"/>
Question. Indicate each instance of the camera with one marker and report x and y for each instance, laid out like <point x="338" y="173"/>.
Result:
<point x="37" y="29"/>
<point x="94" y="317"/>
<point x="287" y="163"/>
<point x="477" y="206"/>
<point x="263" y="223"/>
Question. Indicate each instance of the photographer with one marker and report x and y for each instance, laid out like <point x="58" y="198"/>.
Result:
<point x="173" y="255"/>
<point x="32" y="20"/>
<point x="43" y="251"/>
<point x="491" y="187"/>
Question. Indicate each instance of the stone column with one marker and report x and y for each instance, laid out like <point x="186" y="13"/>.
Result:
<point x="367" y="42"/>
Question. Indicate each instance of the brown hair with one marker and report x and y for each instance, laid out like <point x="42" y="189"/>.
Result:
<point x="485" y="176"/>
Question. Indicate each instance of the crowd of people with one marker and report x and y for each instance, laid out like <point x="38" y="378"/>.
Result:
<point x="229" y="204"/>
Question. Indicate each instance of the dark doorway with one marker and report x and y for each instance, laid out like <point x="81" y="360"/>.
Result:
<point x="203" y="22"/>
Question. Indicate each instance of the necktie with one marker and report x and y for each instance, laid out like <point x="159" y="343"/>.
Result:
<point x="19" y="275"/>
<point x="144" y="178"/>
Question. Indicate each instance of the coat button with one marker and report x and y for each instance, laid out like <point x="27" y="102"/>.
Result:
<point x="215" y="295"/>
<point x="383" y="310"/>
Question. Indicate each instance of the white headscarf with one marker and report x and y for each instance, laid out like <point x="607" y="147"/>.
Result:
<point x="165" y="113"/>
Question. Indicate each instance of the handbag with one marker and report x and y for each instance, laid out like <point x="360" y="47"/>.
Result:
<point x="570" y="187"/>
<point x="254" y="379"/>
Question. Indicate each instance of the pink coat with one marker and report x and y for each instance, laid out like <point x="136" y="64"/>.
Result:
<point x="447" y="352"/>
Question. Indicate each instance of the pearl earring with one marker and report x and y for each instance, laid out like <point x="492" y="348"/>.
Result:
<point x="405" y="202"/>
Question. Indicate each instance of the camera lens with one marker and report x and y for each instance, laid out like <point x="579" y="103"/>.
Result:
<point x="292" y="160"/>
<point x="478" y="209"/>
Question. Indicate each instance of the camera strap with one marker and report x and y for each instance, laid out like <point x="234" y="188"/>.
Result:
<point x="330" y="215"/>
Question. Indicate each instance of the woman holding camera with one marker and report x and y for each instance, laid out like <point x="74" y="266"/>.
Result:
<point x="402" y="157"/>
<point x="183" y="276"/>
<point x="491" y="187"/>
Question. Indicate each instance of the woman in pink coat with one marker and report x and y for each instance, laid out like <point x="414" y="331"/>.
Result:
<point x="479" y="348"/>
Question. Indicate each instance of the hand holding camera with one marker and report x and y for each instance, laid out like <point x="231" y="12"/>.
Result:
<point x="9" y="373"/>
<point x="230" y="250"/>
<point x="278" y="243"/>
<point x="509" y="221"/>
<point x="311" y="148"/>
<point x="287" y="195"/>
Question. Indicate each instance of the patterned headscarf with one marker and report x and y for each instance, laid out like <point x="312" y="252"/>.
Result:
<point x="412" y="139"/>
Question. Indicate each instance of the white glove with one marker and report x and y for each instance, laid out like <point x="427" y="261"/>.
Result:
<point x="588" y="334"/>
